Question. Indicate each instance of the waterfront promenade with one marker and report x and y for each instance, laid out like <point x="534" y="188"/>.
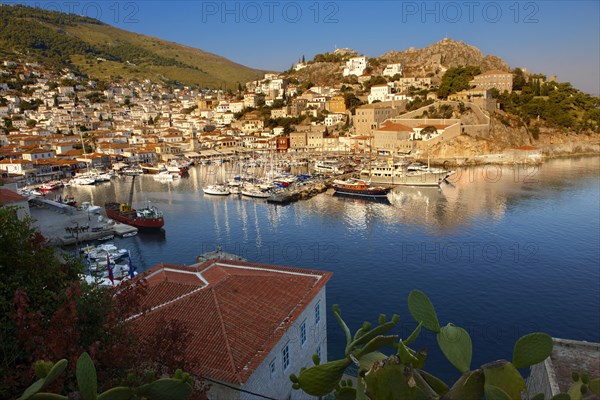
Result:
<point x="70" y="225"/>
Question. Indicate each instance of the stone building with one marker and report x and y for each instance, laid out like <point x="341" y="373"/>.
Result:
<point x="251" y="325"/>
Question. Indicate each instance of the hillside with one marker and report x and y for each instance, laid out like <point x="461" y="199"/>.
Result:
<point x="446" y="53"/>
<point x="105" y="52"/>
<point x="432" y="60"/>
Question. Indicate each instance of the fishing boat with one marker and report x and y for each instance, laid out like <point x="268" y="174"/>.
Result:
<point x="49" y="186"/>
<point x="354" y="187"/>
<point x="216" y="190"/>
<point x="148" y="217"/>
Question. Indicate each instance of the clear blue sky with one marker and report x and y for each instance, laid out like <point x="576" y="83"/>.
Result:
<point x="552" y="37"/>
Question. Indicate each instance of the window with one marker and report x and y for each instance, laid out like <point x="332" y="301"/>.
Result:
<point x="272" y="368"/>
<point x="286" y="356"/>
<point x="303" y="333"/>
<point x="318" y="352"/>
<point x="317" y="313"/>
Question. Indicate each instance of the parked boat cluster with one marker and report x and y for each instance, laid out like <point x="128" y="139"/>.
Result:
<point x="258" y="177"/>
<point x="107" y="264"/>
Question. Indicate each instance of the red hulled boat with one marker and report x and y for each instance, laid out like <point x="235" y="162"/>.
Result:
<point x="144" y="218"/>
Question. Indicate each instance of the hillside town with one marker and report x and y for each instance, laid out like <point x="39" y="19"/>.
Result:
<point x="58" y="123"/>
<point x="178" y="225"/>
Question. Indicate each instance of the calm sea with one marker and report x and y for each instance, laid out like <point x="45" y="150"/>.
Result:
<point x="501" y="251"/>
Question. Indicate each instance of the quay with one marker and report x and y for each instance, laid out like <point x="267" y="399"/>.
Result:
<point x="63" y="225"/>
<point x="306" y="191"/>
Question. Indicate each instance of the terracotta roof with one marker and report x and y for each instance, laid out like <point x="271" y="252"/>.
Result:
<point x="235" y="311"/>
<point x="435" y="126"/>
<point x="496" y="72"/>
<point x="391" y="127"/>
<point x="8" y="197"/>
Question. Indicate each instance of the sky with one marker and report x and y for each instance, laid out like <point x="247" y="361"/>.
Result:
<point x="559" y="38"/>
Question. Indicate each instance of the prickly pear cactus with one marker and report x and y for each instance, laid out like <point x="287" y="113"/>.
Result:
<point x="321" y="379"/>
<point x="177" y="388"/>
<point x="456" y="345"/>
<point x="390" y="379"/>
<point x="501" y="377"/>
<point x="47" y="372"/>
<point x="532" y="349"/>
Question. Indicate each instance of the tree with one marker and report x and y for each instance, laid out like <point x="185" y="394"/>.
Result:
<point x="375" y="80"/>
<point x="303" y="59"/>
<point x="48" y="313"/>
<point x="351" y="101"/>
<point x="518" y="79"/>
<point x="456" y="79"/>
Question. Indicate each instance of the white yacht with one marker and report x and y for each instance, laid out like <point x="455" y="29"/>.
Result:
<point x="328" y="167"/>
<point x="216" y="190"/>
<point x="396" y="174"/>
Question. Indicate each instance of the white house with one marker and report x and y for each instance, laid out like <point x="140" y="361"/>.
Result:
<point x="250" y="100"/>
<point x="236" y="106"/>
<point x="251" y="325"/>
<point x="379" y="92"/>
<point x="355" y="66"/>
<point x="392" y="69"/>
<point x="334" y="119"/>
<point x="222" y="107"/>
<point x="17" y="167"/>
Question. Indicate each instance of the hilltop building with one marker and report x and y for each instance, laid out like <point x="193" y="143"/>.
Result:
<point x="500" y="80"/>
<point x="355" y="66"/>
<point x="392" y="69"/>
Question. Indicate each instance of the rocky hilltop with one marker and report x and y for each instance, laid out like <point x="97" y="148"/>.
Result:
<point x="432" y="61"/>
<point x="440" y="56"/>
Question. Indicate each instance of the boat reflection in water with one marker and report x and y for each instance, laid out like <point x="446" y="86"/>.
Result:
<point x="150" y="236"/>
<point x="361" y="200"/>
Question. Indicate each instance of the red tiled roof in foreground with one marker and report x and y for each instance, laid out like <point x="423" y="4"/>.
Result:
<point x="9" y="197"/>
<point x="235" y="311"/>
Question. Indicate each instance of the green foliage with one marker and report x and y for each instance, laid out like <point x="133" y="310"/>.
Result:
<point x="422" y="310"/>
<point x="519" y="80"/>
<point x="531" y="349"/>
<point x="351" y="101"/>
<point x="331" y="57"/>
<point x="374" y="80"/>
<point x="456" y="345"/>
<point x="456" y="79"/>
<point x="177" y="388"/>
<point x="65" y="40"/>
<point x="554" y="104"/>
<point x="401" y="375"/>
<point x="417" y="103"/>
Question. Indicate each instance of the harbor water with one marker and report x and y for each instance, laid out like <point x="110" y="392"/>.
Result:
<point x="501" y="251"/>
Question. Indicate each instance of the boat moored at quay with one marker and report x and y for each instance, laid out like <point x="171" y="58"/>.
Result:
<point x="354" y="187"/>
<point x="148" y="217"/>
<point x="396" y="174"/>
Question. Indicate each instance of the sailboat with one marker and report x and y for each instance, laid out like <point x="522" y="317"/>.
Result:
<point x="217" y="189"/>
